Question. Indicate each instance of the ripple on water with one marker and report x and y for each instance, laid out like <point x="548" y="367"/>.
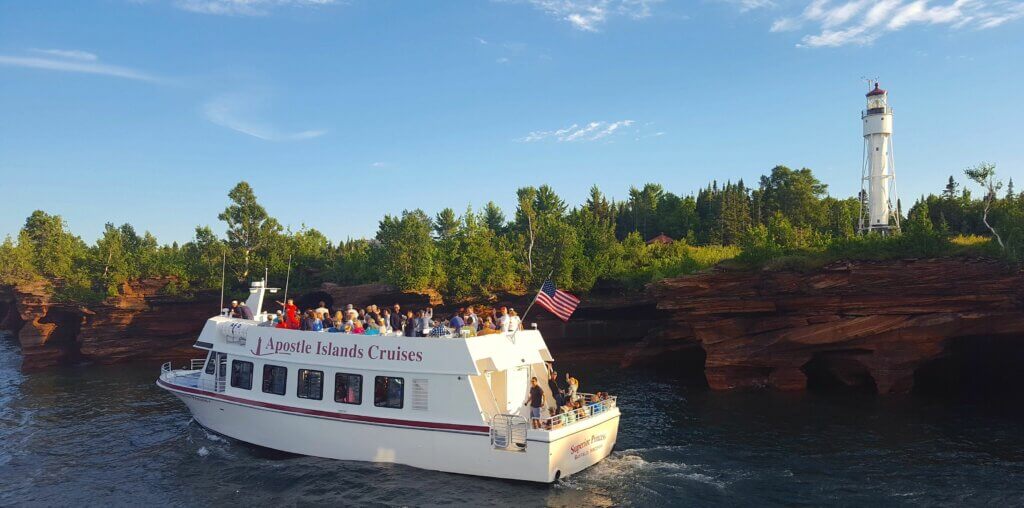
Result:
<point x="67" y="433"/>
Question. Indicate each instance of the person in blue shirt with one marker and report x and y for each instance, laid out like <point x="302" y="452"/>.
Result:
<point x="457" y="322"/>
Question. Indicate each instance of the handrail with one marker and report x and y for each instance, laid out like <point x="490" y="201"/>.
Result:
<point x="591" y="406"/>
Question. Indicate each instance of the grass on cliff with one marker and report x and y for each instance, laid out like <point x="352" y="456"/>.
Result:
<point x="867" y="248"/>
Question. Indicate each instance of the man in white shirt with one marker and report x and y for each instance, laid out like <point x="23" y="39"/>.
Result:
<point x="504" y="321"/>
<point x="322" y="310"/>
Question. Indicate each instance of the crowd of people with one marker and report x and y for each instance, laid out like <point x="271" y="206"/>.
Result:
<point x="568" y="405"/>
<point x="375" y="320"/>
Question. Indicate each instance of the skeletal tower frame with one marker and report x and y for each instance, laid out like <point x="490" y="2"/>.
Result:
<point x="878" y="198"/>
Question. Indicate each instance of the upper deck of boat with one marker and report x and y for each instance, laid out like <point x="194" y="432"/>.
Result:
<point x="435" y="355"/>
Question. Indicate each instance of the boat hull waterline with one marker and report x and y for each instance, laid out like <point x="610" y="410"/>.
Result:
<point x="459" y="449"/>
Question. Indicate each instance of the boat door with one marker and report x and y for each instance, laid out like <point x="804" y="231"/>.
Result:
<point x="516" y="384"/>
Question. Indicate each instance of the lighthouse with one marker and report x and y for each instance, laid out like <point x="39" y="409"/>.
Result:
<point x="878" y="176"/>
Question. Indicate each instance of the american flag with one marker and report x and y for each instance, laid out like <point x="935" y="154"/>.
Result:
<point x="559" y="302"/>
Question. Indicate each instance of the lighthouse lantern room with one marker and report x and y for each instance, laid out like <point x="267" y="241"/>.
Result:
<point x="878" y="176"/>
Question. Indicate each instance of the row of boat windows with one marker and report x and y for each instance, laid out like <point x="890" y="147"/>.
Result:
<point x="348" y="388"/>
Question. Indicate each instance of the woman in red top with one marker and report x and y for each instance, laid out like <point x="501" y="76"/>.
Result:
<point x="291" y="319"/>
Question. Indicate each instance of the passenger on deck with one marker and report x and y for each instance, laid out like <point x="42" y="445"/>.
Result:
<point x="488" y="327"/>
<point x="457" y="323"/>
<point x="514" y="323"/>
<point x="372" y="327"/>
<point x="396" y="319"/>
<point x="472" y="320"/>
<point x="307" y="320"/>
<point x="322" y="310"/>
<point x="245" y="312"/>
<point x="556" y="389"/>
<point x="535" y="398"/>
<point x="409" y="326"/>
<point x="503" y="320"/>
<point x="574" y="386"/>
<point x="357" y="327"/>
<point x="234" y="309"/>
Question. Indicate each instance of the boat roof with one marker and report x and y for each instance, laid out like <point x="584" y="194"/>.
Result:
<point x="460" y="356"/>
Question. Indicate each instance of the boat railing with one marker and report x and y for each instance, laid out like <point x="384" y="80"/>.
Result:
<point x="508" y="432"/>
<point x="591" y="405"/>
<point x="192" y="376"/>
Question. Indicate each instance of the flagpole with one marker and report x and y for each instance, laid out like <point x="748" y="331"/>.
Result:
<point x="523" y="319"/>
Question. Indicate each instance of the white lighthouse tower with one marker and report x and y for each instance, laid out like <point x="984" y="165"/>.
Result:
<point x="878" y="176"/>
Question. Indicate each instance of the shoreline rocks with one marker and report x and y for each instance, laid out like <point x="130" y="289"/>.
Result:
<point x="882" y="326"/>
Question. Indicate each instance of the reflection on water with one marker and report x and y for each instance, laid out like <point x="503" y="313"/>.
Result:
<point x="100" y="435"/>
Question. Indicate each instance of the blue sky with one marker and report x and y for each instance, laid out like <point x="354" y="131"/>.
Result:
<point x="341" y="111"/>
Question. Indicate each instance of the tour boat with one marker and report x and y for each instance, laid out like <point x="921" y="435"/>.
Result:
<point x="453" y="404"/>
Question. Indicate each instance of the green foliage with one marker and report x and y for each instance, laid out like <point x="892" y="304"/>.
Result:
<point x="406" y="252"/>
<point x="786" y="223"/>
<point x="250" y="228"/>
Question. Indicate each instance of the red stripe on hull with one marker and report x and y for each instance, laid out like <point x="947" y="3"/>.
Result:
<point x="326" y="414"/>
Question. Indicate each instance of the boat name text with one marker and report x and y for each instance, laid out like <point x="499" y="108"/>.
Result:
<point x="328" y="348"/>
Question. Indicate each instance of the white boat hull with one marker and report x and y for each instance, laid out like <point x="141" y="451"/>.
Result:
<point x="549" y="455"/>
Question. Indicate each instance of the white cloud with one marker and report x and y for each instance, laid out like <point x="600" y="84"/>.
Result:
<point x="592" y="131"/>
<point x="74" y="61"/>
<point x="590" y="15"/>
<point x="749" y="5"/>
<point x="379" y="165"/>
<point x="502" y="60"/>
<point x="243" y="7"/>
<point x="861" y="22"/>
<point x="70" y="54"/>
<point x="235" y="111"/>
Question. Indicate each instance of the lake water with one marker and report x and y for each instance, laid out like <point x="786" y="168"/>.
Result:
<point x="107" y="435"/>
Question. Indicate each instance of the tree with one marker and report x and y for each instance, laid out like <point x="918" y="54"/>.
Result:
<point x="794" y="193"/>
<point x="445" y="224"/>
<point x="526" y="221"/>
<point x="250" y="228"/>
<point x="950" y="192"/>
<point x="984" y="174"/>
<point x="405" y="256"/>
<point x="54" y="251"/>
<point x="15" y="263"/>
<point x="493" y="218"/>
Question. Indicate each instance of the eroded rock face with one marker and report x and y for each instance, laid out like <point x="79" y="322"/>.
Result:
<point x="855" y="324"/>
<point x="139" y="323"/>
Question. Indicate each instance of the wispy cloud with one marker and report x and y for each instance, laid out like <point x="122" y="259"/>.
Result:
<point x="591" y="15"/>
<point x="70" y="60"/>
<point x="861" y="22"/>
<point x="243" y="7"/>
<point x="70" y="54"/>
<point x="379" y="165"/>
<point x="749" y="5"/>
<point x="592" y="131"/>
<point x="236" y="112"/>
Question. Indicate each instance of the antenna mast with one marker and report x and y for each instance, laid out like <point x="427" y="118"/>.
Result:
<point x="223" y="271"/>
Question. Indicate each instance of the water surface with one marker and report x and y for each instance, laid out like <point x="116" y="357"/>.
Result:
<point x="106" y="435"/>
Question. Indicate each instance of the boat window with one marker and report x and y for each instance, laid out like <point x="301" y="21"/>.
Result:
<point x="311" y="384"/>
<point x="211" y="363"/>
<point x="241" y="374"/>
<point x="348" y="388"/>
<point x="388" y="392"/>
<point x="274" y="379"/>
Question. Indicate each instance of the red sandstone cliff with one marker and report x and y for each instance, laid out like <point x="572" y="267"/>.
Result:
<point x="139" y="323"/>
<point x="872" y="324"/>
<point x="856" y="323"/>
